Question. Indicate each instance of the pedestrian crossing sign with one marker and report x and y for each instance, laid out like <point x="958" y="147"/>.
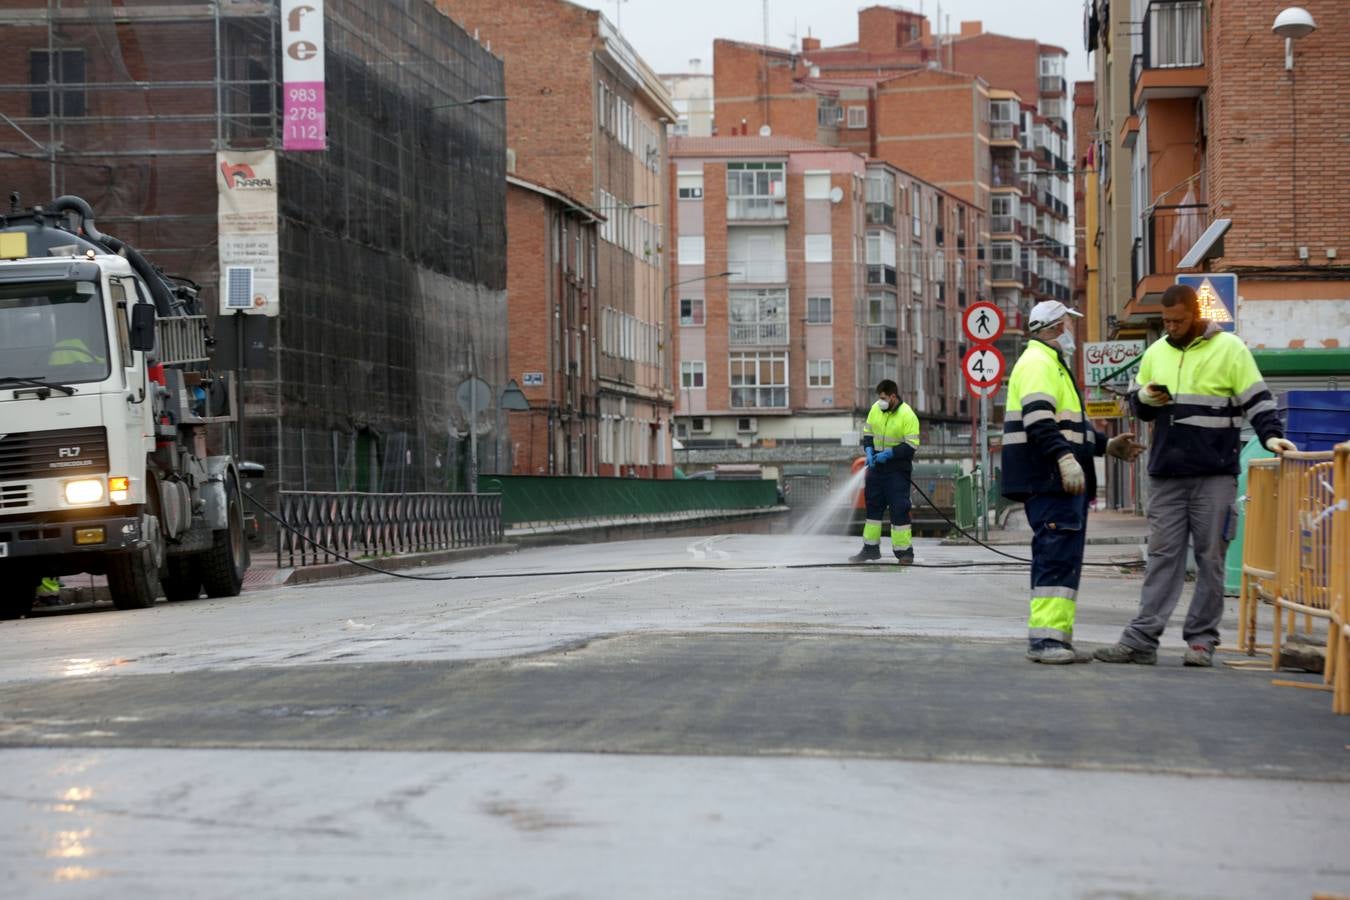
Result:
<point x="1218" y="297"/>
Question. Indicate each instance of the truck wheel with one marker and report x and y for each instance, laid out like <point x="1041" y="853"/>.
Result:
<point x="223" y="566"/>
<point x="184" y="580"/>
<point x="133" y="580"/>
<point x="17" y="602"/>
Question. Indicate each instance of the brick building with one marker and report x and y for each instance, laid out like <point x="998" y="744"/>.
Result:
<point x="982" y="116"/>
<point x="805" y="275"/>
<point x="552" y="242"/>
<point x="391" y="242"/>
<point x="587" y="119"/>
<point x="1199" y="119"/>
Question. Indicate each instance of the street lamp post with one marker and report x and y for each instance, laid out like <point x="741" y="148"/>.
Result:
<point x="665" y="304"/>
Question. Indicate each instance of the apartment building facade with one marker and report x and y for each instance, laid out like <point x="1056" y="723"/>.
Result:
<point x="982" y="116"/>
<point x="805" y="275"/>
<point x="587" y="119"/>
<point x="692" y="94"/>
<point x="1203" y="119"/>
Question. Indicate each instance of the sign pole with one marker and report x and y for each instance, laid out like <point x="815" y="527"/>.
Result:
<point x="983" y="529"/>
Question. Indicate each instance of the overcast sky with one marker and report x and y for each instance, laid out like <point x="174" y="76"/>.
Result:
<point x="669" y="33"/>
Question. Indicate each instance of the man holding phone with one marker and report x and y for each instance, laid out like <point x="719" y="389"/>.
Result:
<point x="1195" y="386"/>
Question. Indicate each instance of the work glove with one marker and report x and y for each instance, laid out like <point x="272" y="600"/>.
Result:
<point x="1124" y="446"/>
<point x="871" y="457"/>
<point x="1279" y="445"/>
<point x="1071" y="474"/>
<point x="1150" y="397"/>
<point x="885" y="456"/>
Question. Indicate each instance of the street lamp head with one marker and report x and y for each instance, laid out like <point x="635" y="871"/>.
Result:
<point x="1294" y="22"/>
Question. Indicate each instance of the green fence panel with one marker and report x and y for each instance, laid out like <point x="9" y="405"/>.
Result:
<point x="965" y="502"/>
<point x="544" y="498"/>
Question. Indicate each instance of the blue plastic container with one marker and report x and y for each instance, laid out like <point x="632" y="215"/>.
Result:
<point x="1316" y="420"/>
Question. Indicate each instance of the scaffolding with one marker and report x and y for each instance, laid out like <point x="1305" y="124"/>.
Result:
<point x="392" y="242"/>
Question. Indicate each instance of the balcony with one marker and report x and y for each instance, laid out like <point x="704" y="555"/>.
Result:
<point x="1007" y="272"/>
<point x="877" y="274"/>
<point x="1174" y="52"/>
<point x="756" y="209"/>
<point x="1169" y="231"/>
<point x="757" y="271"/>
<point x="1053" y="84"/>
<point x="757" y="334"/>
<point x="881" y="214"/>
<point x="1004" y="225"/>
<point x="1005" y="132"/>
<point x="882" y="337"/>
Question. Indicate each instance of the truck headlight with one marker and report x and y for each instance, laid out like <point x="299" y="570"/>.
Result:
<point x="86" y="490"/>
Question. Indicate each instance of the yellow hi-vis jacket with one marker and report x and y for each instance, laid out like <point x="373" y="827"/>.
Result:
<point x="896" y="430"/>
<point x="1042" y="422"/>
<point x="1214" y="383"/>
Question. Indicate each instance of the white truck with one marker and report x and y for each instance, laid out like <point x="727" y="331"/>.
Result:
<point x="107" y="402"/>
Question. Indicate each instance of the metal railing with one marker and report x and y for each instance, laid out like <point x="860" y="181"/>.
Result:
<point x="373" y="525"/>
<point x="1170" y="233"/>
<point x="1174" y="35"/>
<point x="181" y="339"/>
<point x="757" y="333"/>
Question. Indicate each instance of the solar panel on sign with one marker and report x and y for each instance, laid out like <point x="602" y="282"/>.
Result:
<point x="239" y="287"/>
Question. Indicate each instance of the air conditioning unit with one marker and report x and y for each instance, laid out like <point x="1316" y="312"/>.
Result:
<point x="747" y="425"/>
<point x="700" y="425"/>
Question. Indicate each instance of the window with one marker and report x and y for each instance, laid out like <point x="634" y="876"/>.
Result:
<point x="880" y="366"/>
<point x="691" y="251"/>
<point x="880" y="248"/>
<point x="857" y="117"/>
<point x="816" y="185"/>
<point x="819" y="310"/>
<point x="757" y="255"/>
<point x="758" y="316"/>
<point x="57" y="67"/>
<point x="818" y="248"/>
<point x="759" y="380"/>
<point x="691" y="375"/>
<point x="691" y="311"/>
<point x="820" y="373"/>
<point x="690" y="185"/>
<point x="756" y="190"/>
<point x="828" y="112"/>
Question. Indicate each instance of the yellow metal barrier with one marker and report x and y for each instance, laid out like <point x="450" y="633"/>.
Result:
<point x="1259" y="548"/>
<point x="1303" y="536"/>
<point x="1338" y="644"/>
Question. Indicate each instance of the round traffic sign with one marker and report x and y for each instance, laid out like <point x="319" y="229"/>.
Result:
<point x="983" y="323"/>
<point x="983" y="365"/>
<point x="984" y="390"/>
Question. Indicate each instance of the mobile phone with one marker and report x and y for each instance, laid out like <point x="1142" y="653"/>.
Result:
<point x="1161" y="387"/>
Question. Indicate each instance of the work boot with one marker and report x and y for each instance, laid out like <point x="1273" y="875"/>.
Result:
<point x="1124" y="653"/>
<point x="1198" y="655"/>
<point x="1081" y="654"/>
<point x="905" y="556"/>
<point x="1051" y="653"/>
<point x="869" y="552"/>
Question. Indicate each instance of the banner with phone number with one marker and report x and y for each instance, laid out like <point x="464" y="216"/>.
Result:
<point x="304" y="126"/>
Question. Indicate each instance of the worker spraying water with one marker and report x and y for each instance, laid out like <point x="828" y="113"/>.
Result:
<point x="890" y="440"/>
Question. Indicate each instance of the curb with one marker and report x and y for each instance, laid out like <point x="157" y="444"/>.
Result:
<point x="334" y="571"/>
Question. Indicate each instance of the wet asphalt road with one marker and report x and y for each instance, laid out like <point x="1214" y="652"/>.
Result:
<point x="793" y="733"/>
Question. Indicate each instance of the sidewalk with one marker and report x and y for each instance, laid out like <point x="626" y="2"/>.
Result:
<point x="1105" y="527"/>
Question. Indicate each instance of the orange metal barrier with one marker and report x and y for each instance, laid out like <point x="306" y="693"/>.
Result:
<point x="1303" y="535"/>
<point x="1338" y="643"/>
<point x="1259" y="548"/>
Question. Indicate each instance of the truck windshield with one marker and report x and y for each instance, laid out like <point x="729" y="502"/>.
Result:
<point x="53" y="332"/>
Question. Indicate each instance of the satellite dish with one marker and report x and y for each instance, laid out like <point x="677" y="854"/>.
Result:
<point x="836" y="194"/>
<point x="765" y="131"/>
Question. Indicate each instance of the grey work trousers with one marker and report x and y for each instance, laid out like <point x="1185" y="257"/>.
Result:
<point x="1197" y="510"/>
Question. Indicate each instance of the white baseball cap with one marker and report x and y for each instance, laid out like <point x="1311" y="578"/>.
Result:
<point x="1047" y="313"/>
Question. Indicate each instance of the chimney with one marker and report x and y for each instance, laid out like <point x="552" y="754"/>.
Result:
<point x="810" y="43"/>
<point x="695" y="65"/>
<point x="970" y="29"/>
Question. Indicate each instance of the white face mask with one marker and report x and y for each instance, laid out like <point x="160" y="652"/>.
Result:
<point x="885" y="404"/>
<point x="1066" y="343"/>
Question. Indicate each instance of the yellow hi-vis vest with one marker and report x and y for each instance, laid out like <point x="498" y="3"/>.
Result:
<point x="892" y="430"/>
<point x="1043" y="421"/>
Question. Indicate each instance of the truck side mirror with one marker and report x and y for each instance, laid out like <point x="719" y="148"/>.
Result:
<point x="143" y="327"/>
